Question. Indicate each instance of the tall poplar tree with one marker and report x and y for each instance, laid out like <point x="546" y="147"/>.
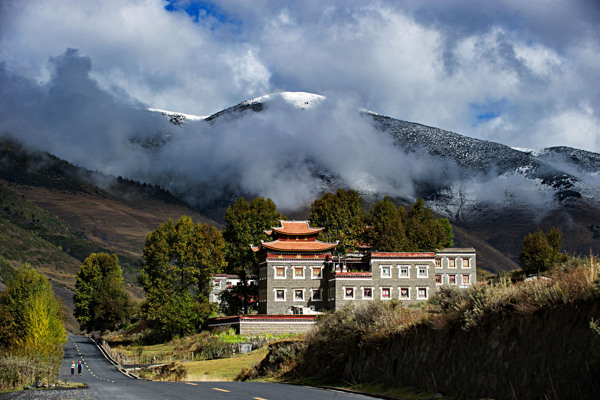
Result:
<point x="180" y="260"/>
<point x="246" y="223"/>
<point x="386" y="231"/>
<point x="342" y="217"/>
<point x="35" y="315"/>
<point x="101" y="302"/>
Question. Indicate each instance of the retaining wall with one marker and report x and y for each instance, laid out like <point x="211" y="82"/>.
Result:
<point x="550" y="354"/>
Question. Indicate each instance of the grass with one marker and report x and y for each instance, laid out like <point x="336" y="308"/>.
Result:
<point x="17" y="371"/>
<point x="201" y="346"/>
<point x="576" y="279"/>
<point x="226" y="369"/>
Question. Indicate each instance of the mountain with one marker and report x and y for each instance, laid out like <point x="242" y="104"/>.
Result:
<point x="492" y="193"/>
<point x="54" y="215"/>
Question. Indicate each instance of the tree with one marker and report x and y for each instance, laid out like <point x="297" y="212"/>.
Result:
<point x="539" y="251"/>
<point x="101" y="302"/>
<point x="342" y="217"/>
<point x="554" y="237"/>
<point x="395" y="229"/>
<point x="424" y="232"/>
<point x="386" y="231"/>
<point x="34" y="313"/>
<point x="180" y="260"/>
<point x="246" y="223"/>
<point x="238" y="299"/>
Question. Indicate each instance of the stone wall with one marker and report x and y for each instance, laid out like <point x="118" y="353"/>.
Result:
<point x="250" y="325"/>
<point x="550" y="354"/>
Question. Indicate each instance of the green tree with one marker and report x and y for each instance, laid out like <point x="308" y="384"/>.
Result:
<point x="539" y="251"/>
<point x="101" y="302"/>
<point x="246" y="223"/>
<point x="386" y="231"/>
<point x="34" y="313"/>
<point x="237" y="299"/>
<point x="555" y="240"/>
<point x="342" y="217"/>
<point x="424" y="232"/>
<point x="180" y="260"/>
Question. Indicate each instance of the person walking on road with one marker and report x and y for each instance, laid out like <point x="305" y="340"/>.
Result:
<point x="72" y="367"/>
<point x="79" y="368"/>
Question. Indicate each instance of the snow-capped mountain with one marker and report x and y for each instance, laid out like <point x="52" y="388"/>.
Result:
<point x="293" y="146"/>
<point x="559" y="168"/>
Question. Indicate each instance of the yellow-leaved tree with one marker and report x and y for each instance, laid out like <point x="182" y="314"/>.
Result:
<point x="36" y="315"/>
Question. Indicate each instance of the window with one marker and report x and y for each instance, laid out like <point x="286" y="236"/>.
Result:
<point x="298" y="272"/>
<point x="452" y="263"/>
<point x="466" y="279"/>
<point x="298" y="294"/>
<point x="404" y="271"/>
<point x="386" y="271"/>
<point x="280" y="272"/>
<point x="315" y="294"/>
<point x="452" y="279"/>
<point x="367" y="293"/>
<point x="279" y="294"/>
<point x="438" y="263"/>
<point x="348" y="293"/>
<point x="386" y="293"/>
<point x="466" y="263"/>
<point x="404" y="293"/>
<point x="422" y="271"/>
<point x="438" y="279"/>
<point x="217" y="284"/>
<point x="317" y="272"/>
<point x="422" y="293"/>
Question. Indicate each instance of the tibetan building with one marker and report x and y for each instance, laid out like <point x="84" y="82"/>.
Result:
<point x="300" y="274"/>
<point x="292" y="268"/>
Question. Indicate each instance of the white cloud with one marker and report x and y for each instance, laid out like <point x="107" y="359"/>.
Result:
<point x="429" y="62"/>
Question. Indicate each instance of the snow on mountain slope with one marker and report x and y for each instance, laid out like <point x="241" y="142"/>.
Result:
<point x="480" y="167"/>
<point x="301" y="100"/>
<point x="178" y="118"/>
<point x="298" y="100"/>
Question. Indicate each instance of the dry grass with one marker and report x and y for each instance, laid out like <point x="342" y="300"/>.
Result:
<point x="577" y="279"/>
<point x="226" y="369"/>
<point x="19" y="371"/>
<point x="114" y="223"/>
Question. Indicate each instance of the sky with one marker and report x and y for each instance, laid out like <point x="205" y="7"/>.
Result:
<point x="76" y="78"/>
<point x="522" y="73"/>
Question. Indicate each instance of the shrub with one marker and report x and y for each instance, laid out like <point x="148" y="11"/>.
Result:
<point x="345" y="329"/>
<point x="18" y="371"/>
<point x="578" y="279"/>
<point x="281" y="359"/>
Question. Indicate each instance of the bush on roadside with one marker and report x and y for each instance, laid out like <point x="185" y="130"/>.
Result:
<point x="578" y="279"/>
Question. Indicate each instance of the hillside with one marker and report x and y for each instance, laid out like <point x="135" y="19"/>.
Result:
<point x="113" y="213"/>
<point x="53" y="218"/>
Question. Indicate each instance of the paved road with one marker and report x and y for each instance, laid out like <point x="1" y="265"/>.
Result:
<point x="106" y="382"/>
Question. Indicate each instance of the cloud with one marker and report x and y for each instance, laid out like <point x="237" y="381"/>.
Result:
<point x="288" y="153"/>
<point x="422" y="61"/>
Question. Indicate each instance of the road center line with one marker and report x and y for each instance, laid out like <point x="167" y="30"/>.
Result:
<point x="221" y="390"/>
<point x="258" y="398"/>
<point x="190" y="383"/>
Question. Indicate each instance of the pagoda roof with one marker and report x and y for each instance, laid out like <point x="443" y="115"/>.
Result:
<point x="287" y="245"/>
<point x="296" y="228"/>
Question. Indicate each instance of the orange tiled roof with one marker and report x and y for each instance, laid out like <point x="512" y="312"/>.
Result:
<point x="296" y="228"/>
<point x="298" y="246"/>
